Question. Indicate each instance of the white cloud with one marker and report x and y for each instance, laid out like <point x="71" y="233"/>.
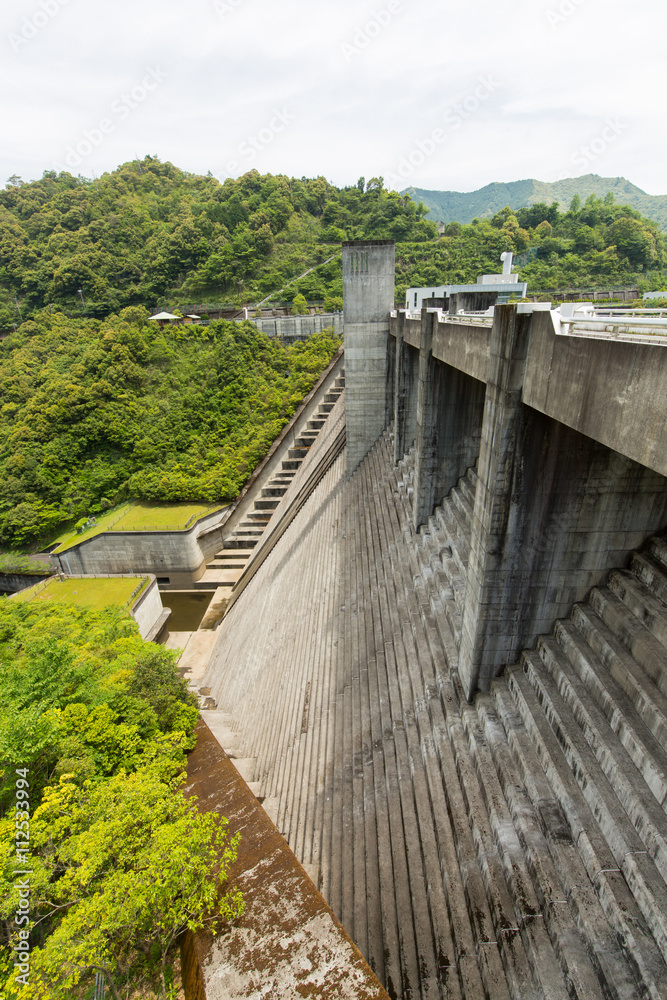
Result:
<point x="365" y="83"/>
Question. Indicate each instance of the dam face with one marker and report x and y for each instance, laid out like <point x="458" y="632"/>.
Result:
<point x="449" y="666"/>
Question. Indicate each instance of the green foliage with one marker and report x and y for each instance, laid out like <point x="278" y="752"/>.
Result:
<point x="150" y="232"/>
<point x="121" y="861"/>
<point x="299" y="306"/>
<point x="96" y="412"/>
<point x="597" y="243"/>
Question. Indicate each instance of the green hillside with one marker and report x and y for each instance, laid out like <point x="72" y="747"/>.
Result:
<point x="149" y="234"/>
<point x="457" y="206"/>
<point x="96" y="412"/>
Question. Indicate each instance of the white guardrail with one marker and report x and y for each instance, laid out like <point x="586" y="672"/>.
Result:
<point x="638" y="326"/>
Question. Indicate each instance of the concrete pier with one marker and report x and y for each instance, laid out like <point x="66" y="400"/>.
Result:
<point x="368" y="287"/>
<point x="565" y="488"/>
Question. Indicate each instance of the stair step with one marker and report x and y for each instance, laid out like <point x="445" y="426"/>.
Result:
<point x="595" y="920"/>
<point x="273" y="491"/>
<point x="658" y="549"/>
<point x="651" y="573"/>
<point x="650" y="611"/>
<point x="623" y="670"/>
<point x="602" y="867"/>
<point x="646" y="751"/>
<point x="628" y="849"/>
<point x="267" y="503"/>
<point x="643" y="646"/>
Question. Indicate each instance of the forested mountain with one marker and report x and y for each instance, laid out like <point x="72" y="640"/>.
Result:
<point x="150" y="234"/>
<point x="591" y="245"/>
<point x="98" y="405"/>
<point x="96" y="411"/>
<point x="459" y="206"/>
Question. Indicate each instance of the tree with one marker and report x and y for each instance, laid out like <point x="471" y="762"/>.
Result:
<point x="131" y="865"/>
<point x="299" y="305"/>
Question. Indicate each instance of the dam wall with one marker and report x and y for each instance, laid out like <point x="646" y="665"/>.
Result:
<point x="482" y="804"/>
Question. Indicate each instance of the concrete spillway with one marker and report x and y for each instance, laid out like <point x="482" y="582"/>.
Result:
<point x="511" y="847"/>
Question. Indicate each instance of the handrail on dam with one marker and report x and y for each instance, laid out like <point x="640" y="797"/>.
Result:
<point x="646" y="330"/>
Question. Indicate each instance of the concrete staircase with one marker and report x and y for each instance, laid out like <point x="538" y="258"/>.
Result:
<point x="511" y="849"/>
<point x="227" y="566"/>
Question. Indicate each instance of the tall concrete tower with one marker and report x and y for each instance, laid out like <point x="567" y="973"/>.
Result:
<point x="368" y="298"/>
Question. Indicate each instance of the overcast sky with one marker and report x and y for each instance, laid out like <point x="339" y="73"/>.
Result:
<point x="433" y="94"/>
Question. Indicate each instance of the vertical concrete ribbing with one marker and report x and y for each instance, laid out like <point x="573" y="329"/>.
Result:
<point x="426" y="462"/>
<point x="400" y="390"/>
<point x="368" y="295"/>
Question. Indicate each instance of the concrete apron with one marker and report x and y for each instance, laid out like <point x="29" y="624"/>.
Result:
<point x="288" y="942"/>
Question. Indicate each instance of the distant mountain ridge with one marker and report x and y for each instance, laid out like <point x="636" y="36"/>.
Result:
<point x="458" y="206"/>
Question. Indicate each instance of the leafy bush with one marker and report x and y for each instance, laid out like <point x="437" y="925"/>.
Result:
<point x="121" y="861"/>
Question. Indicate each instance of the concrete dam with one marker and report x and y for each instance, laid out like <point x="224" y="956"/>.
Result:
<point x="445" y="664"/>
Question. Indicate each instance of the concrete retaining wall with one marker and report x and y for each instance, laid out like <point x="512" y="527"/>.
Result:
<point x="178" y="555"/>
<point x="12" y="583"/>
<point x="299" y="327"/>
<point x="148" y="610"/>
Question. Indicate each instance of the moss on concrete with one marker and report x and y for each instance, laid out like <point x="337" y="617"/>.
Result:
<point x="140" y="517"/>
<point x="93" y="592"/>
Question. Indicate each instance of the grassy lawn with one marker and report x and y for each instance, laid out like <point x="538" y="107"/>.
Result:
<point x="91" y="593"/>
<point x="140" y="517"/>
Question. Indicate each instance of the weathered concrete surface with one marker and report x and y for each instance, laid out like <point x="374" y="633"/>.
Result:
<point x="568" y="434"/>
<point x="406" y="383"/>
<point x="471" y="851"/>
<point x="12" y="583"/>
<point x="287" y="944"/>
<point x="148" y="611"/>
<point x="428" y="397"/>
<point x="463" y="346"/>
<point x="368" y="290"/>
<point x="612" y="391"/>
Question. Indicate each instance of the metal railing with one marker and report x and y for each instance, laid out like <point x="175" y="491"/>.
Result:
<point x="625" y="325"/>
